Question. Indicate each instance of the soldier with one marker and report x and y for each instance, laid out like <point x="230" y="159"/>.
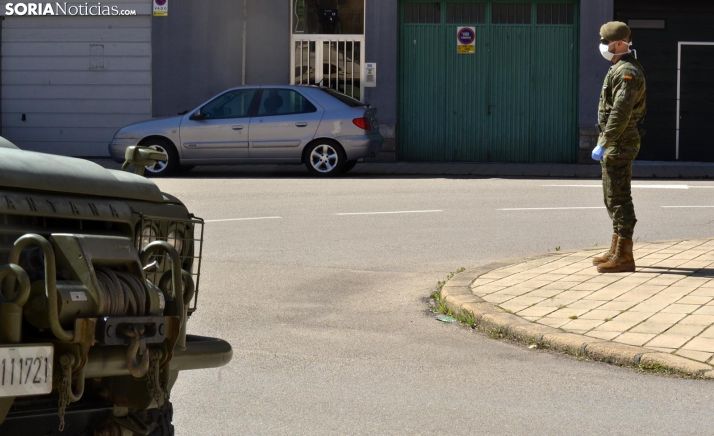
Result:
<point x="621" y="110"/>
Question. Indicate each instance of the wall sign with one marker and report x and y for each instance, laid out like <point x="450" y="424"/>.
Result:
<point x="161" y="8"/>
<point x="370" y="79"/>
<point x="465" y="40"/>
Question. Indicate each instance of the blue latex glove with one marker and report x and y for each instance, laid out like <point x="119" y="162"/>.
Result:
<point x="598" y="152"/>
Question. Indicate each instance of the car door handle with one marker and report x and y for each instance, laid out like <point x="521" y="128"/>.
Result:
<point x="237" y="127"/>
<point x="301" y="124"/>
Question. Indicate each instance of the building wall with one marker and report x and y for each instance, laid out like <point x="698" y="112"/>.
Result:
<point x="69" y="82"/>
<point x="199" y="50"/>
<point x="381" y="38"/>
<point x="593" y="13"/>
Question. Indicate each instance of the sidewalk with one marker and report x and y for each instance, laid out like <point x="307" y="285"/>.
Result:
<point x="660" y="317"/>
<point x="641" y="169"/>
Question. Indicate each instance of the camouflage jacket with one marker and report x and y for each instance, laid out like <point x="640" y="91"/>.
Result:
<point x="622" y="104"/>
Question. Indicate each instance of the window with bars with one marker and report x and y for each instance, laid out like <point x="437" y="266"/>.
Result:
<point x="555" y="13"/>
<point x="465" y="13"/>
<point x="511" y="13"/>
<point x="422" y="13"/>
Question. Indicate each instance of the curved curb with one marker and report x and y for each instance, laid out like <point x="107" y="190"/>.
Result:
<point x="493" y="320"/>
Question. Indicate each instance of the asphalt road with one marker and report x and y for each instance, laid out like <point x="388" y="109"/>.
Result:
<point x="322" y="295"/>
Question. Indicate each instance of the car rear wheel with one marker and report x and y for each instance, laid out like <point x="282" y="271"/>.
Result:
<point x="325" y="158"/>
<point x="165" y="167"/>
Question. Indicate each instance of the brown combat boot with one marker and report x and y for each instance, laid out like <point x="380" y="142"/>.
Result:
<point x="597" y="260"/>
<point x="621" y="261"/>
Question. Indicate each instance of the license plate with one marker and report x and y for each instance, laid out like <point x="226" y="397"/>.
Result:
<point x="25" y="370"/>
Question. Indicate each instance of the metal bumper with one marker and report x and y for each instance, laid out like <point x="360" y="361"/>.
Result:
<point x="200" y="353"/>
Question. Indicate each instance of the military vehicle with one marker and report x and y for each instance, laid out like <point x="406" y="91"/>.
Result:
<point x="99" y="274"/>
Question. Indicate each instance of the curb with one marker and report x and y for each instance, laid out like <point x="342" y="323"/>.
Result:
<point x="491" y="319"/>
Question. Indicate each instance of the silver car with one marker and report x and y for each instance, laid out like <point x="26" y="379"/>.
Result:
<point x="319" y="127"/>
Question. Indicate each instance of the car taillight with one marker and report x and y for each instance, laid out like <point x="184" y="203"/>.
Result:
<point x="362" y="123"/>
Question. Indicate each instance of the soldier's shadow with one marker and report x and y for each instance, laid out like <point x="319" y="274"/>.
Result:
<point x="689" y="272"/>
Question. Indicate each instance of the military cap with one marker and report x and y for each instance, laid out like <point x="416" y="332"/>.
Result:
<point x="615" y="31"/>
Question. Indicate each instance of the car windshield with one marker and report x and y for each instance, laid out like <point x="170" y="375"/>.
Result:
<point x="349" y="101"/>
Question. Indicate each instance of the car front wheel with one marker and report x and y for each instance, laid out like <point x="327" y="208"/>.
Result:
<point x="325" y="158"/>
<point x="163" y="168"/>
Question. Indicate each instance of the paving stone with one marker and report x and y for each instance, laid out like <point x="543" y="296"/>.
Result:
<point x="582" y="324"/>
<point x="651" y="327"/>
<point x="694" y="300"/>
<point x="616" y="305"/>
<point x="537" y="311"/>
<point x="553" y="322"/>
<point x="545" y="292"/>
<point x="668" y="341"/>
<point x="567" y="312"/>
<point x="616" y="326"/>
<point x="708" y="333"/>
<point x="647" y="306"/>
<point x="602" y="335"/>
<point x="700" y="344"/>
<point x="680" y="308"/>
<point x="703" y="292"/>
<point x="588" y="286"/>
<point x="497" y="299"/>
<point x="637" y="317"/>
<point x="685" y="330"/>
<point x="526" y="300"/>
<point x="696" y="355"/>
<point x="600" y="314"/>
<point x="585" y="304"/>
<point x="634" y="338"/>
<point x="705" y="320"/>
<point x="666" y="318"/>
<point x="514" y="308"/>
<point x="705" y="310"/>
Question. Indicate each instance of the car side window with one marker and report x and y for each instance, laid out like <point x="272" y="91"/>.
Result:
<point x="283" y="102"/>
<point x="232" y="104"/>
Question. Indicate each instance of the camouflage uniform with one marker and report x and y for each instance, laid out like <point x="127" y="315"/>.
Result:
<point x="621" y="109"/>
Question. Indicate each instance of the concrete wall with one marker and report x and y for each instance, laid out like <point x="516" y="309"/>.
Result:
<point x="381" y="38"/>
<point x="593" y="13"/>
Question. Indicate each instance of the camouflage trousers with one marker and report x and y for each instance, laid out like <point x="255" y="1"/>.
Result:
<point x="617" y="191"/>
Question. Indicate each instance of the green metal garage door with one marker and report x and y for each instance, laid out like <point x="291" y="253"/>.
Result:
<point x="513" y="100"/>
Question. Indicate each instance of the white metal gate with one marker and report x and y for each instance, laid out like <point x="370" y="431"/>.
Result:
<point x="333" y="61"/>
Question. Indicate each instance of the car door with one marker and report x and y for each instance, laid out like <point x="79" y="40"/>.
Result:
<point x="284" y="123"/>
<point x="219" y="129"/>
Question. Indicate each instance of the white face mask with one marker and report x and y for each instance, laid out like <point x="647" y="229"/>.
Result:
<point x="605" y="52"/>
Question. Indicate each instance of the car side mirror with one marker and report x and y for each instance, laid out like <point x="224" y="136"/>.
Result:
<point x="198" y="116"/>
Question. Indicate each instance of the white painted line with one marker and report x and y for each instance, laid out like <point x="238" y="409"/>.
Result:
<point x="511" y="209"/>
<point x="687" y="207"/>
<point x="684" y="187"/>
<point x="389" y="213"/>
<point x="246" y="219"/>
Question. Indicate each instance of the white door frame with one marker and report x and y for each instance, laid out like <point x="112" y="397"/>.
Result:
<point x="320" y="39"/>
<point x="679" y="81"/>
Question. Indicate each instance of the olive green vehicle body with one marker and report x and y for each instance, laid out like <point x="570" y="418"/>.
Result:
<point x="101" y="268"/>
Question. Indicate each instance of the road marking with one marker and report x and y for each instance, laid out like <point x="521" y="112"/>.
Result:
<point x="388" y="213"/>
<point x="511" y="209"/>
<point x="687" y="207"/>
<point x="246" y="219"/>
<point x="683" y="187"/>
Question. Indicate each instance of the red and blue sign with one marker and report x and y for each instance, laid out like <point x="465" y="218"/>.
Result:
<point x="466" y="40"/>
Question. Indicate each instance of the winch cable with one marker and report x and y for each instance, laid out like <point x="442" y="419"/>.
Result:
<point x="124" y="293"/>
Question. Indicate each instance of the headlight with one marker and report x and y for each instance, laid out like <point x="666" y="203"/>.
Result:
<point x="149" y="233"/>
<point x="176" y="238"/>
